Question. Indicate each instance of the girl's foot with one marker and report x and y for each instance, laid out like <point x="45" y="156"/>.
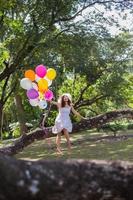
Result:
<point x="69" y="151"/>
<point x="59" y="152"/>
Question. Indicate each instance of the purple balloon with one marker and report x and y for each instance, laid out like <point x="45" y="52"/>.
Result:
<point x="32" y="94"/>
<point x="41" y="70"/>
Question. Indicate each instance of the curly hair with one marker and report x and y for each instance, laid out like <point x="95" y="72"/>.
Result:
<point x="63" y="102"/>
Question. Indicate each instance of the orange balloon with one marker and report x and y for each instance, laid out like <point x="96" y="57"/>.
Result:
<point x="30" y="74"/>
<point x="42" y="91"/>
<point x="42" y="85"/>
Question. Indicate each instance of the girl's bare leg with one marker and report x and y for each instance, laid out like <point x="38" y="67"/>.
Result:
<point x="66" y="134"/>
<point x="58" y="141"/>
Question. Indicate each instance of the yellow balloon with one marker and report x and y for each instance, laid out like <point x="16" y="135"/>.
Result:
<point x="51" y="73"/>
<point x="43" y="84"/>
<point x="41" y="96"/>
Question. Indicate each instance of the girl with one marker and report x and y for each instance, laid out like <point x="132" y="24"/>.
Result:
<point x="63" y="122"/>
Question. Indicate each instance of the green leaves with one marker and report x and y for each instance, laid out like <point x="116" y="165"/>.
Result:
<point x="90" y="63"/>
<point x="4" y="55"/>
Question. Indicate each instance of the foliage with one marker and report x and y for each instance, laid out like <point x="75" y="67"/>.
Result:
<point x="91" y="64"/>
<point x="15" y="129"/>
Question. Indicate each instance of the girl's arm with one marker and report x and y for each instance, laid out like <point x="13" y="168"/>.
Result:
<point x="55" y="103"/>
<point x="76" y="113"/>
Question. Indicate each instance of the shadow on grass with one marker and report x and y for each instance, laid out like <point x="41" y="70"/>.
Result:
<point x="114" y="149"/>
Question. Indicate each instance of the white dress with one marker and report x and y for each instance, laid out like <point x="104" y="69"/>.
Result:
<point x="63" y="120"/>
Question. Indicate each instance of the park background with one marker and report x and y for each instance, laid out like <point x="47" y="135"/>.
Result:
<point x="89" y="44"/>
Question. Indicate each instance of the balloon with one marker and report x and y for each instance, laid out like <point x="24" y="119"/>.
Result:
<point x="42" y="104"/>
<point x="42" y="91"/>
<point x="48" y="95"/>
<point x="51" y="73"/>
<point x="34" y="102"/>
<point x="37" y="83"/>
<point x="30" y="74"/>
<point x="49" y="81"/>
<point x="34" y="85"/>
<point x="41" y="70"/>
<point x="26" y="84"/>
<point x="42" y="85"/>
<point x="41" y="96"/>
<point x="32" y="94"/>
<point x="37" y="78"/>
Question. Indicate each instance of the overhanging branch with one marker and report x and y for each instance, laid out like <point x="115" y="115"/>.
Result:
<point x="89" y="102"/>
<point x="80" y="11"/>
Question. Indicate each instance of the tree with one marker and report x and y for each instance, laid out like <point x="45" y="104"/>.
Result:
<point x="21" y="114"/>
<point x="27" y="26"/>
<point x="96" y="68"/>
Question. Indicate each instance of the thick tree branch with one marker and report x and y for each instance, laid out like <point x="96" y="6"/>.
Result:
<point x="1" y="21"/>
<point x="70" y="179"/>
<point x="89" y="102"/>
<point x="80" y="100"/>
<point x="80" y="11"/>
<point x="93" y="122"/>
<point x="4" y="89"/>
<point x="81" y="94"/>
<point x="10" y="92"/>
<point x="54" y="37"/>
<point x="63" y="19"/>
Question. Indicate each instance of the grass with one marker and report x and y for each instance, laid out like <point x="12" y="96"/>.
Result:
<point x="82" y="148"/>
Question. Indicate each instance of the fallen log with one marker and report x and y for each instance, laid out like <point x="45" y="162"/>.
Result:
<point x="70" y="179"/>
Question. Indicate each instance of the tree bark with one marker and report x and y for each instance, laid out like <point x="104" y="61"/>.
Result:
<point x="1" y="117"/>
<point x="39" y="134"/>
<point x="21" y="114"/>
<point x="70" y="179"/>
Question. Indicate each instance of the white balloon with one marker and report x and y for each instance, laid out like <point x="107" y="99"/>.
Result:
<point x="34" y="102"/>
<point x="26" y="83"/>
<point x="34" y="85"/>
<point x="49" y="81"/>
<point x="37" y="78"/>
<point x="42" y="104"/>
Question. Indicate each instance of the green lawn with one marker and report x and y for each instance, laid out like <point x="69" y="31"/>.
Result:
<point x="82" y="148"/>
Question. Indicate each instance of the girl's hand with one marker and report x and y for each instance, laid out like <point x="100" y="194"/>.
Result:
<point x="78" y="114"/>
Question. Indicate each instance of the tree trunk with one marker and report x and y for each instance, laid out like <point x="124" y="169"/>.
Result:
<point x="20" y="114"/>
<point x="65" y="180"/>
<point x="93" y="122"/>
<point x="1" y="118"/>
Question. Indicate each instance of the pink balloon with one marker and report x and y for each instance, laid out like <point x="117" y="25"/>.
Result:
<point x="32" y="94"/>
<point x="48" y="95"/>
<point x="41" y="71"/>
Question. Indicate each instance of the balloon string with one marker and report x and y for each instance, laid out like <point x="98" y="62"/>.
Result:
<point x="45" y="116"/>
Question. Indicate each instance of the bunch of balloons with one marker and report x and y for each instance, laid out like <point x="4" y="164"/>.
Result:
<point x="37" y="83"/>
